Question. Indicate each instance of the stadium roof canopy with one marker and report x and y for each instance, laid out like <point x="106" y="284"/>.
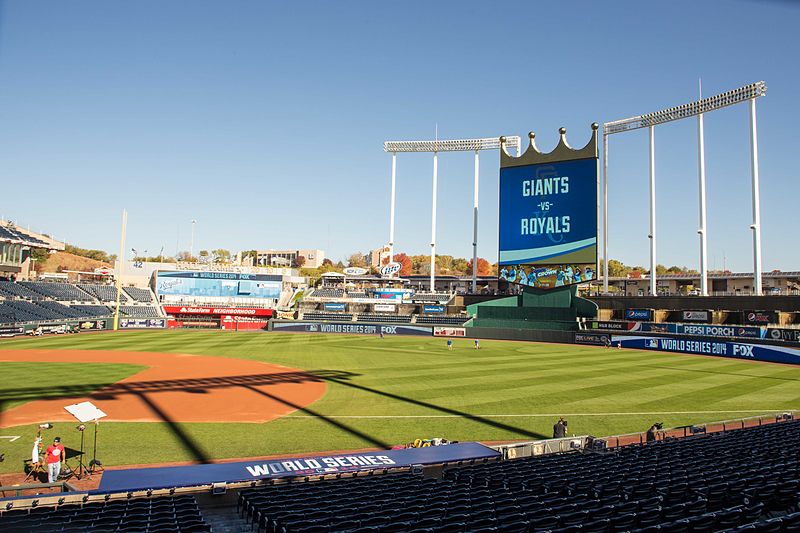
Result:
<point x="13" y="234"/>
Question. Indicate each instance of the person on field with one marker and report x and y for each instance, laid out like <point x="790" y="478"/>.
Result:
<point x="55" y="456"/>
<point x="449" y="344"/>
<point x="654" y="432"/>
<point x="477" y="344"/>
<point x="560" y="429"/>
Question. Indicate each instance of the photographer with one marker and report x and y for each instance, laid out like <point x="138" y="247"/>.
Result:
<point x="654" y="432"/>
<point x="560" y="429"/>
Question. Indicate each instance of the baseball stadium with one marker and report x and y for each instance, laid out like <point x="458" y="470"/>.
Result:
<point x="549" y="388"/>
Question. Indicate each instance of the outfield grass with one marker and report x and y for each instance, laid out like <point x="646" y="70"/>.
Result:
<point x="399" y="389"/>
<point x="19" y="381"/>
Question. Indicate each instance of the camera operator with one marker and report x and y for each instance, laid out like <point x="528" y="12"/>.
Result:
<point x="560" y="429"/>
<point x="654" y="432"/>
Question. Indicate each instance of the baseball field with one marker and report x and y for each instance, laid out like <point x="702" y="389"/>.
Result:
<point x="174" y="396"/>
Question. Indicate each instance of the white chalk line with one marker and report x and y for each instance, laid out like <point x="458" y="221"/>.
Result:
<point x="11" y="438"/>
<point x="550" y="415"/>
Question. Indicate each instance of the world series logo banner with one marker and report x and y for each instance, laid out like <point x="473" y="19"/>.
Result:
<point x="548" y="216"/>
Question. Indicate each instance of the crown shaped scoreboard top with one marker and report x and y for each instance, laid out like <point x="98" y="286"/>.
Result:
<point x="562" y="152"/>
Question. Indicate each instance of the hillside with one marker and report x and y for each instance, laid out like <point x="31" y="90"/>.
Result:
<point x="60" y="261"/>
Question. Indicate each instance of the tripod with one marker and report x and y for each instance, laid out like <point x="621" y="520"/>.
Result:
<point x="81" y="465"/>
<point x="35" y="471"/>
<point x="94" y="464"/>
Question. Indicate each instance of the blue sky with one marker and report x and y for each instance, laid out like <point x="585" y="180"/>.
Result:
<point x="265" y="121"/>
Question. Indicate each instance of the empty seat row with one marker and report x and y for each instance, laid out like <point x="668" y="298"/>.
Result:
<point x="139" y="294"/>
<point x="327" y="316"/>
<point x="374" y="317"/>
<point x="57" y="291"/>
<point x="448" y="320"/>
<point x="738" y="479"/>
<point x="166" y="514"/>
<point x="104" y="293"/>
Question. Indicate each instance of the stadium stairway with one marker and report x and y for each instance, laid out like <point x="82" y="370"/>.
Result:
<point x="220" y="513"/>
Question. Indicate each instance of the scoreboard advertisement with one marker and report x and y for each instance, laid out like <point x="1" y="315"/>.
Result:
<point x="548" y="222"/>
<point x="225" y="284"/>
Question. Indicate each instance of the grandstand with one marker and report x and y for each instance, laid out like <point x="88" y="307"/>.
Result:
<point x="138" y="294"/>
<point x="9" y="289"/>
<point x="177" y="513"/>
<point x="33" y="301"/>
<point x="57" y="291"/>
<point x="106" y="293"/>
<point x="735" y="480"/>
<point x="701" y="483"/>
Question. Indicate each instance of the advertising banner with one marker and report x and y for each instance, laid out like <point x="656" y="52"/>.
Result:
<point x="10" y="331"/>
<point x="285" y="315"/>
<point x="659" y="327"/>
<point x="351" y="328"/>
<point x="385" y="307"/>
<point x="203" y="310"/>
<point x="392" y="294"/>
<point x="784" y="334"/>
<point x="644" y="315"/>
<point x="443" y="331"/>
<point x="137" y="323"/>
<point x="334" y="306"/>
<point x="548" y="223"/>
<point x="183" y="476"/>
<point x="355" y="271"/>
<point x="616" y="326"/>
<point x="737" y="350"/>
<point x="696" y="316"/>
<point x="760" y="317"/>
<point x="594" y="339"/>
<point x="430" y="308"/>
<point x="390" y="269"/>
<point x="218" y="284"/>
<point x="721" y="331"/>
<point x="92" y="324"/>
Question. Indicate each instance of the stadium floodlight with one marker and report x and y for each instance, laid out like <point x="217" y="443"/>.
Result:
<point x="434" y="147"/>
<point x="712" y="103"/>
<point x="457" y="145"/>
<point x="747" y="93"/>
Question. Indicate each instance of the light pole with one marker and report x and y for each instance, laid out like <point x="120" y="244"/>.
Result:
<point x="434" y="147"/>
<point x="747" y="93"/>
<point x="191" y="245"/>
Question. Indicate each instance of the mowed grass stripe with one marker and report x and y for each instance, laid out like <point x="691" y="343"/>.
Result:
<point x="417" y="376"/>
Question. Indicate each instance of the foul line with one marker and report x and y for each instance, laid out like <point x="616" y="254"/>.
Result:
<point x="550" y="415"/>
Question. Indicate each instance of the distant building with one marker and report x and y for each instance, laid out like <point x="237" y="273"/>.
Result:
<point x="375" y="257"/>
<point x="288" y="258"/>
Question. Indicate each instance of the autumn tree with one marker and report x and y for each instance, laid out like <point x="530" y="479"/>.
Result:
<point x="405" y="263"/>
<point x="484" y="267"/>
<point x="357" y="259"/>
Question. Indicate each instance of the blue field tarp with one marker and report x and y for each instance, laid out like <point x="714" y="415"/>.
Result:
<point x="182" y="476"/>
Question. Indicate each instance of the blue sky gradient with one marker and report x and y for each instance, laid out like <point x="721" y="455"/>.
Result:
<point x="265" y="121"/>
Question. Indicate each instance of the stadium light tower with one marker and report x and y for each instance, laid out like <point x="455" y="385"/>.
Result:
<point x="436" y="146"/>
<point x="191" y="242"/>
<point x="747" y="93"/>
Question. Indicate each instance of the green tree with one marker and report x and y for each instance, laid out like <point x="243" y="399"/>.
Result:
<point x="221" y="255"/>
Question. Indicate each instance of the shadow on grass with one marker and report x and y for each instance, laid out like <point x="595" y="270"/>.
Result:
<point x="141" y="390"/>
